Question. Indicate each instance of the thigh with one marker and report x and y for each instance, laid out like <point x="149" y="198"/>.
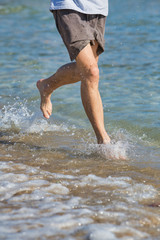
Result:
<point x="94" y="47"/>
<point x="87" y="57"/>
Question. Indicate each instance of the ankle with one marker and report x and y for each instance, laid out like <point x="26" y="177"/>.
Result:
<point x="45" y="87"/>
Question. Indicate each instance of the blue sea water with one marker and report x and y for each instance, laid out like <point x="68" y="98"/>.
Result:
<point x="56" y="183"/>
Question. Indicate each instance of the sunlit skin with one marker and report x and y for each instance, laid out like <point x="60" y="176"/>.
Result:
<point x="86" y="70"/>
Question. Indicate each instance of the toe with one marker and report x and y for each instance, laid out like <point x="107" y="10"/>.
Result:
<point x="46" y="115"/>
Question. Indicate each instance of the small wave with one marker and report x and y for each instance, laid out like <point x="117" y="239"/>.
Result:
<point x="47" y="198"/>
<point x="33" y="178"/>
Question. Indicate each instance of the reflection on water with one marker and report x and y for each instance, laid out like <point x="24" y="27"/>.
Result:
<point x="55" y="181"/>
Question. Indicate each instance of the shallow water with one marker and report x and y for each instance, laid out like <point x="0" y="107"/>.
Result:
<point x="55" y="181"/>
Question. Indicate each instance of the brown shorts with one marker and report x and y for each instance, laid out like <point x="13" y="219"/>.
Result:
<point x="78" y="29"/>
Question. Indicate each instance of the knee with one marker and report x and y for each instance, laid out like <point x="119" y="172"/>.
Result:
<point x="92" y="76"/>
<point x="94" y="72"/>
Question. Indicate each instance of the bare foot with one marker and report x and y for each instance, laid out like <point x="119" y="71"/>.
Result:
<point x="46" y="105"/>
<point x="105" y="140"/>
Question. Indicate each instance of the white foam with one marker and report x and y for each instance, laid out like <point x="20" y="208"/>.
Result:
<point x="13" y="177"/>
<point x="59" y="211"/>
<point x="37" y="191"/>
<point x="102" y="234"/>
<point x="6" y="186"/>
<point x="109" y="232"/>
<point x="132" y="232"/>
<point x="139" y="192"/>
<point x="91" y="179"/>
<point x="5" y="165"/>
<point x="57" y="188"/>
<point x="111" y="215"/>
<point x="17" y="186"/>
<point x="125" y="187"/>
<point x="68" y="221"/>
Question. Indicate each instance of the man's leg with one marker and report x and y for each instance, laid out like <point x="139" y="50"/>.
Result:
<point x="85" y="70"/>
<point x="87" y="63"/>
<point x="67" y="74"/>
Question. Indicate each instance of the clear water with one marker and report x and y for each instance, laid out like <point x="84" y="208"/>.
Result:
<point x="55" y="182"/>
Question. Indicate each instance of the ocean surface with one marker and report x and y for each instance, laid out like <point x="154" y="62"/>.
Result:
<point x="55" y="181"/>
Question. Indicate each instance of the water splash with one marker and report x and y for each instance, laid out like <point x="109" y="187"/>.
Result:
<point x="18" y="117"/>
<point x="15" y="117"/>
